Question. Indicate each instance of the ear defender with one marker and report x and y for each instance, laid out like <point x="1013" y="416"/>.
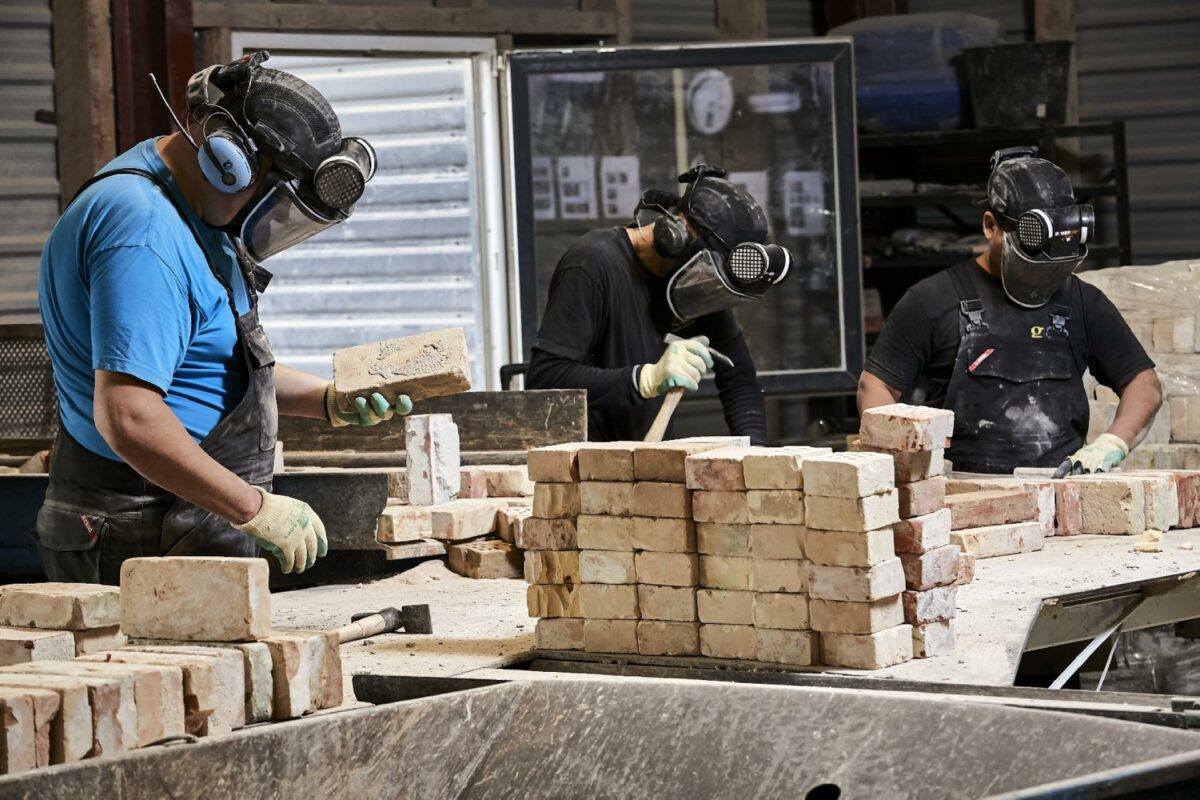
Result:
<point x="670" y="236"/>
<point x="225" y="162"/>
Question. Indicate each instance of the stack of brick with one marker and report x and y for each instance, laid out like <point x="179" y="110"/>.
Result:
<point x="1000" y="520"/>
<point x="915" y="437"/>
<point x="748" y="504"/>
<point x="67" y="618"/>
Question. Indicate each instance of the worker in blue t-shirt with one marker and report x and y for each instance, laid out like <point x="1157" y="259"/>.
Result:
<point x="168" y="393"/>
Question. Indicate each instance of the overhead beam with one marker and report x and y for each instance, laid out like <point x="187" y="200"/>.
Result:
<point x="261" y="16"/>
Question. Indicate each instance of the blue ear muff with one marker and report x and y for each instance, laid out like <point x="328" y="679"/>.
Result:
<point x="225" y="163"/>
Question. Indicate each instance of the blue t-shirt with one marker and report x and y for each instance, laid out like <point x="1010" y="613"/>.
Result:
<point x="123" y="287"/>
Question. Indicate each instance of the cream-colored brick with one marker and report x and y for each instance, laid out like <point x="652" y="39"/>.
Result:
<point x="720" y="539"/>
<point x="605" y="497"/>
<point x="799" y="648"/>
<point x="919" y="534"/>
<point x="906" y="427"/>
<point x="666" y="461"/>
<point x="851" y="514"/>
<point x="610" y="635"/>
<point x="779" y="575"/>
<point x="725" y="572"/>
<point x="776" y="542"/>
<point x="717" y="470"/>
<point x="606" y="566"/>
<point x="605" y="601"/>
<point x="607" y="461"/>
<point x="856" y="584"/>
<point x="848" y="474"/>
<point x="728" y="641"/>
<point x="849" y="548"/>
<point x="933" y="639"/>
<point x="921" y="498"/>
<point x="872" y="651"/>
<point x="22" y="645"/>
<point x="840" y="616"/>
<point x="59" y="606"/>
<point x="547" y="534"/>
<point x="560" y="600"/>
<point x="598" y="532"/>
<point x="670" y="603"/>
<point x="657" y="638"/>
<point x="724" y="507"/>
<point x="556" y="500"/>
<point x="195" y="599"/>
<point x="937" y="567"/>
<point x="776" y="506"/>
<point x="725" y="607"/>
<point x="552" y="566"/>
<point x="563" y="633"/>
<point x="663" y="535"/>
<point x="653" y="499"/>
<point x="667" y="569"/>
<point x="785" y="611"/>
<point x="556" y="463"/>
<point x="778" y="467"/>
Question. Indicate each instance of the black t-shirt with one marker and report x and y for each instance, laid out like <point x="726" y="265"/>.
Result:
<point x="918" y="345"/>
<point x="607" y="314"/>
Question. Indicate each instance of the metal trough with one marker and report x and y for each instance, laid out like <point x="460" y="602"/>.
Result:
<point x="641" y="739"/>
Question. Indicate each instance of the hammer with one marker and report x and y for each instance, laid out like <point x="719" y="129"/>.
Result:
<point x="410" y="619"/>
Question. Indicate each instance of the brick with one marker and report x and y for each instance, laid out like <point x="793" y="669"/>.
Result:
<point x="428" y="364"/>
<point x="999" y="540"/>
<point x="937" y="567"/>
<point x="849" y="548"/>
<point x="1068" y="508"/>
<point x="102" y="701"/>
<point x="69" y="736"/>
<point x="840" y="616"/>
<point x="556" y="463"/>
<point x="195" y="599"/>
<point x="1187" y="489"/>
<point x="256" y="660"/>
<point x="59" y="606"/>
<point x="556" y="500"/>
<point x="670" y="603"/>
<point x="122" y="723"/>
<point x="548" y="534"/>
<point x="610" y="635"/>
<point x="653" y="499"/>
<point x="563" y="633"/>
<point x="295" y="665"/>
<point x="870" y="651"/>
<point x="966" y="569"/>
<point x="598" y="532"/>
<point x="921" y="498"/>
<point x="485" y="560"/>
<point x="666" y="461"/>
<point x="784" y="611"/>
<point x="778" y="576"/>
<point x="606" y="566"/>
<point x="909" y="465"/>
<point x="510" y="521"/>
<point x="46" y="707"/>
<point x="851" y="514"/>
<point x="558" y="600"/>
<point x="725" y="607"/>
<point x="18" y="732"/>
<point x="725" y="572"/>
<point x="799" y="648"/>
<point x="604" y="601"/>
<point x="1185" y="418"/>
<point x="201" y="701"/>
<point x="667" y="569"/>
<point x="1112" y="506"/>
<point x="1161" y="497"/>
<point x="499" y="480"/>
<point x="466" y="519"/>
<point x="99" y="640"/>
<point x="608" y="461"/>
<point x="326" y="679"/>
<point x="398" y="484"/>
<point x="775" y="506"/>
<point x="848" y="474"/>
<point x="717" y="470"/>
<point x="606" y="497"/>
<point x="724" y="507"/>
<point x="1174" y="334"/>
<point x="930" y="605"/>
<point x="728" y="641"/>
<point x="552" y="566"/>
<point x="1043" y="492"/>
<point x="663" y="535"/>
<point x="990" y="507"/>
<point x="906" y="427"/>
<point x="778" y="467"/>
<point x="923" y="533"/>
<point x="777" y="542"/>
<point x="668" y="638"/>
<point x="719" y="539"/>
<point x="399" y="524"/>
<point x="933" y="639"/>
<point x="22" y="645"/>
<point x="856" y="584"/>
<point x="433" y="459"/>
<point x="229" y="676"/>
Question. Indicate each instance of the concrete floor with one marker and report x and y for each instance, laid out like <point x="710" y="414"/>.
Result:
<point x="482" y="624"/>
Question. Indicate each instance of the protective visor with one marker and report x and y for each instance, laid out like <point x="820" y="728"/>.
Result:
<point x="710" y="282"/>
<point x="1031" y="279"/>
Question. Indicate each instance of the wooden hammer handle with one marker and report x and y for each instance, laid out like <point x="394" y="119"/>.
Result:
<point x="659" y="428"/>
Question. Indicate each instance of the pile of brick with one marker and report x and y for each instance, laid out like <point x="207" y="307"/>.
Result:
<point x="473" y="513"/>
<point x="201" y="659"/>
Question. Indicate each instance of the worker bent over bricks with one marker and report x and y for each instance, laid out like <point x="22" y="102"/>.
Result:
<point x="169" y="394"/>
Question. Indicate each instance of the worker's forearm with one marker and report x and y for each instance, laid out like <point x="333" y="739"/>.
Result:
<point x="1140" y="401"/>
<point x="873" y="392"/>
<point x="606" y="388"/>
<point x="299" y="394"/>
<point x="741" y="393"/>
<point x="151" y="439"/>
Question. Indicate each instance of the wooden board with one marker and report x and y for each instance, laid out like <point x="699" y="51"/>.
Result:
<point x="486" y="421"/>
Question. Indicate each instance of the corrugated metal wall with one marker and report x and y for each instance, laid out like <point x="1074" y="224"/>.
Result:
<point x="407" y="260"/>
<point x="28" y="165"/>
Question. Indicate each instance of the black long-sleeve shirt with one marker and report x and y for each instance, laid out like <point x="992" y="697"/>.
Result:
<point x="606" y="315"/>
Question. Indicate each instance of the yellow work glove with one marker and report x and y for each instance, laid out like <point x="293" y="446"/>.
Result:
<point x="367" y="412"/>
<point x="1102" y="455"/>
<point x="288" y="529"/>
<point x="683" y="364"/>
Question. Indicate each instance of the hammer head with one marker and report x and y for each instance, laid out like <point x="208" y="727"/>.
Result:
<point x="410" y="619"/>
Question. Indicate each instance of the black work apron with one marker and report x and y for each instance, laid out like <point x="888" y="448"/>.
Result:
<point x="1017" y="385"/>
<point x="99" y="512"/>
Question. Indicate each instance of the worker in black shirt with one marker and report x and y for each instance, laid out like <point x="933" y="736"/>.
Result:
<point x="1003" y="340"/>
<point x="617" y="292"/>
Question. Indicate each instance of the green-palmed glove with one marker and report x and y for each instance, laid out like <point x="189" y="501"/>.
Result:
<point x="367" y="411"/>
<point x="1102" y="455"/>
<point x="683" y="364"/>
<point x="288" y="529"/>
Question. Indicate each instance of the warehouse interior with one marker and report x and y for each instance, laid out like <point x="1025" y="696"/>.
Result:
<point x="556" y="398"/>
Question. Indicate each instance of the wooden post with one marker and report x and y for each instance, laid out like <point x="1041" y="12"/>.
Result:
<point x="621" y="9"/>
<point x="1054" y="20"/>
<point x="150" y="36"/>
<point x="215" y="46"/>
<point x="741" y="20"/>
<point x="83" y="91"/>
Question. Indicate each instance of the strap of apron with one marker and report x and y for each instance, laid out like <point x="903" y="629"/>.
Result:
<point x="969" y="304"/>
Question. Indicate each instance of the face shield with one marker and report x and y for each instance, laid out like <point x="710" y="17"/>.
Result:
<point x="1044" y="249"/>
<point x="290" y="210"/>
<point x="709" y="281"/>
